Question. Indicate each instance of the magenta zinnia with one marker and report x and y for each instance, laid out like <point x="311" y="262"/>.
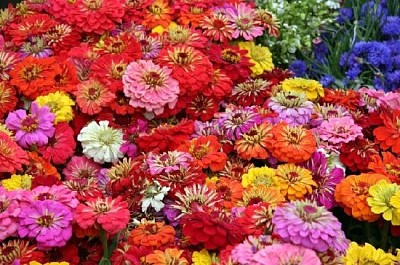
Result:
<point x="9" y="213"/>
<point x="150" y="86"/>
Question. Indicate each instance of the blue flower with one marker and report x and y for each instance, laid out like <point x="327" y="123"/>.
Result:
<point x="377" y="54"/>
<point x="327" y="80"/>
<point x="391" y="27"/>
<point x="345" y="15"/>
<point x="298" y="67"/>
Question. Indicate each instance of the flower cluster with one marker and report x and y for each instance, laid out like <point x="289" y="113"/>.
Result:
<point x="158" y="132"/>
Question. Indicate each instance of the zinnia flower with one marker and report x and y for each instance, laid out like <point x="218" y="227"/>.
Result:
<point x="80" y="167"/>
<point x="152" y="234"/>
<point x="150" y="86"/>
<point x="294" y="181"/>
<point x="367" y="254"/>
<point x="58" y="193"/>
<point x="112" y="215"/>
<point x="305" y="224"/>
<point x="260" y="176"/>
<point x="153" y="196"/>
<point x="158" y="13"/>
<point x="352" y="194"/>
<point x="339" y="130"/>
<point x="92" y="96"/>
<point x="168" y="162"/>
<point x="292" y="144"/>
<point x="278" y="254"/>
<point x="381" y="194"/>
<point x="217" y="27"/>
<point x="387" y="134"/>
<point x="201" y="257"/>
<point x="8" y="98"/>
<point x="251" y="92"/>
<point x="244" y="21"/>
<point x="9" y="215"/>
<point x="49" y="222"/>
<point x="60" y="105"/>
<point x="312" y="88"/>
<point x="31" y="129"/>
<point x="12" y="156"/>
<point x="166" y="257"/>
<point x="206" y="151"/>
<point x="357" y="154"/>
<point x="388" y="165"/>
<point x="260" y="56"/>
<point x="254" y="143"/>
<point x="17" y="182"/>
<point x="101" y="142"/>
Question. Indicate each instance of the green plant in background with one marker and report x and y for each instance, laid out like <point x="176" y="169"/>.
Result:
<point x="300" y="23"/>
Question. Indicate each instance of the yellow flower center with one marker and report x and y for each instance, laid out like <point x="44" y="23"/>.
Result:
<point x="118" y="70"/>
<point x="196" y="10"/>
<point x="393" y="169"/>
<point x="9" y="254"/>
<point x="29" y="124"/>
<point x="93" y="4"/>
<point x="230" y="56"/>
<point x="153" y="79"/>
<point x="45" y="220"/>
<point x="101" y="207"/>
<point x="360" y="188"/>
<point x="156" y="10"/>
<point x="199" y="151"/>
<point x="5" y="150"/>
<point x="30" y="73"/>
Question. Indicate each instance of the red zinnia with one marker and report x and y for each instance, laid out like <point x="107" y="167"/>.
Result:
<point x="211" y="231"/>
<point x="61" y="146"/>
<point x="111" y="215"/>
<point x="388" y="165"/>
<point x="123" y="44"/>
<point x="12" y="157"/>
<point x="349" y="99"/>
<point x="220" y="86"/>
<point x="8" y="98"/>
<point x="206" y="151"/>
<point x="357" y="154"/>
<point x="67" y="79"/>
<point x="202" y="107"/>
<point x="388" y="135"/>
<point x="190" y="68"/>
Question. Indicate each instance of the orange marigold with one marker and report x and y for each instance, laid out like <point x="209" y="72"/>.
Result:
<point x="253" y="144"/>
<point x="352" y="193"/>
<point x="171" y="256"/>
<point x="387" y="165"/>
<point x="388" y="135"/>
<point x="206" y="151"/>
<point x="294" y="181"/>
<point x="292" y="144"/>
<point x="152" y="234"/>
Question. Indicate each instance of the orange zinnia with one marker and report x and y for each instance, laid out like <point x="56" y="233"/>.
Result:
<point x="171" y="256"/>
<point x="206" y="151"/>
<point x="253" y="144"/>
<point x="231" y="191"/>
<point x="193" y="14"/>
<point x="352" y="193"/>
<point x="388" y="165"/>
<point x="388" y="135"/>
<point x="292" y="144"/>
<point x="34" y="76"/>
<point x="152" y="234"/>
<point x="157" y="14"/>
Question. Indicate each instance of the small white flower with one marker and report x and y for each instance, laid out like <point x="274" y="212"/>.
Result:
<point x="101" y="142"/>
<point x="153" y="196"/>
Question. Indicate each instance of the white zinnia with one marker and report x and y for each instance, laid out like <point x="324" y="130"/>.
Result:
<point x="153" y="196"/>
<point x="101" y="142"/>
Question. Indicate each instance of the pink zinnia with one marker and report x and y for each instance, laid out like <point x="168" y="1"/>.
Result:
<point x="9" y="212"/>
<point x="244" y="22"/>
<point x="34" y="128"/>
<point x="150" y="86"/>
<point x="168" y="162"/>
<point x="390" y="100"/>
<point x="58" y="193"/>
<point x="278" y="254"/>
<point x="129" y="146"/>
<point x="112" y="215"/>
<point x="306" y="224"/>
<point x="339" y="130"/>
<point x="81" y="167"/>
<point x="49" y="222"/>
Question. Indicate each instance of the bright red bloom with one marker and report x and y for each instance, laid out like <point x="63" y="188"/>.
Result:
<point x="388" y="135"/>
<point x="185" y="35"/>
<point x="220" y="86"/>
<point x="211" y="231"/>
<point x="67" y="79"/>
<point x="45" y="180"/>
<point x="61" y="38"/>
<point x="206" y="151"/>
<point x="8" y="98"/>
<point x="166" y="137"/>
<point x="35" y="77"/>
<point x="121" y="104"/>
<point x="123" y="44"/>
<point x="202" y="107"/>
<point x="98" y="16"/>
<point x="61" y="146"/>
<point x="12" y="157"/>
<point x="232" y="60"/>
<point x="388" y="165"/>
<point x="357" y="154"/>
<point x="276" y="76"/>
<point x="108" y="214"/>
<point x="251" y="92"/>
<point x="349" y="98"/>
<point x="34" y="25"/>
<point x="127" y="253"/>
<point x="190" y="68"/>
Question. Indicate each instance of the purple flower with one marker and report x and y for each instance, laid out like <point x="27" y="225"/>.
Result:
<point x="237" y="121"/>
<point x="326" y="180"/>
<point x="168" y="162"/>
<point x="306" y="224"/>
<point x="391" y="27"/>
<point x="34" y="128"/>
<point x="345" y="15"/>
<point x="171" y="213"/>
<point x="49" y="222"/>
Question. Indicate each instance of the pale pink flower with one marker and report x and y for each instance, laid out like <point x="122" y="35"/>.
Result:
<point x="339" y="130"/>
<point x="390" y="100"/>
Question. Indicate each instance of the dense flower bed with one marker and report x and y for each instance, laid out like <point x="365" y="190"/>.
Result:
<point x="157" y="132"/>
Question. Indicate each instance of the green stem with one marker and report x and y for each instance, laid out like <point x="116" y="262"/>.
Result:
<point x="384" y="234"/>
<point x="105" y="259"/>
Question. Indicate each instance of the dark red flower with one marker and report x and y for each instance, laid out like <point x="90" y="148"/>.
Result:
<point x="357" y="154"/>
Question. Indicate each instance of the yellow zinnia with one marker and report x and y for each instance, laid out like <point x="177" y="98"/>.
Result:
<point x="312" y="88"/>
<point x="60" y="104"/>
<point x="260" y="56"/>
<point x="294" y="181"/>
<point x="17" y="182"/>
<point x="259" y="175"/>
<point x="367" y="254"/>
<point x="381" y="193"/>
<point x="201" y="258"/>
